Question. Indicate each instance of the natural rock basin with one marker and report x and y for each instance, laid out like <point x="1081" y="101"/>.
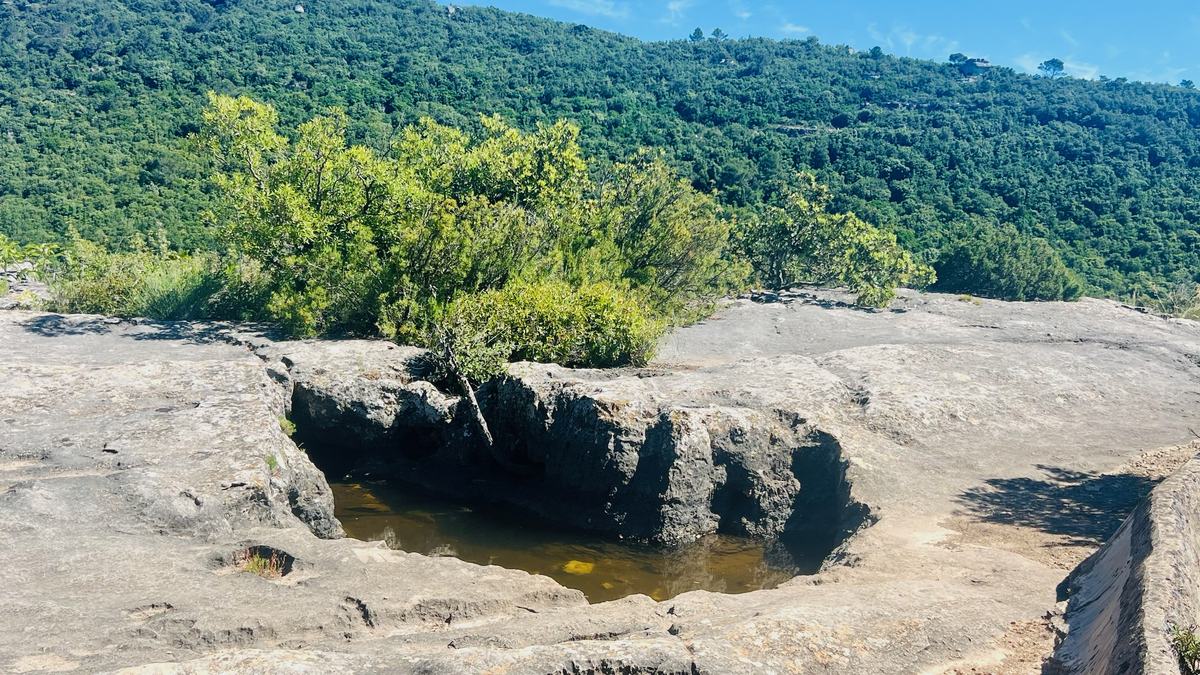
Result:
<point x="602" y="568"/>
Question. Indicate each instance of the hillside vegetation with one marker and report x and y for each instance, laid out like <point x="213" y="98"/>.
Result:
<point x="97" y="99"/>
<point x="488" y="248"/>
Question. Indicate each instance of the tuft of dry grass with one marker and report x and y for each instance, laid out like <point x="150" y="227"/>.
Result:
<point x="270" y="566"/>
<point x="1182" y="301"/>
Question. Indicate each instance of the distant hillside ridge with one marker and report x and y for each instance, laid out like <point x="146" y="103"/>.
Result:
<point x="97" y="99"/>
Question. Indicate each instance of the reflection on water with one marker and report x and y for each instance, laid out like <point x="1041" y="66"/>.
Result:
<point x="602" y="569"/>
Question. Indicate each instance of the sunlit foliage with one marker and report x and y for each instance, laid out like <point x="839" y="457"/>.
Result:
<point x="97" y="98"/>
<point x="801" y="240"/>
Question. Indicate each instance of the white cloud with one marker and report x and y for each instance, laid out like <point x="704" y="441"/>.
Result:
<point x="676" y="10"/>
<point x="1086" y="71"/>
<point x="1068" y="38"/>
<point x="794" y="28"/>
<point x="1168" y="74"/>
<point x="739" y="9"/>
<point x="608" y="8"/>
<point x="913" y="43"/>
<point x="1027" y="62"/>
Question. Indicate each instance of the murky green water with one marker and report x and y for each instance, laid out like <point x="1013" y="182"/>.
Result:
<point x="602" y="569"/>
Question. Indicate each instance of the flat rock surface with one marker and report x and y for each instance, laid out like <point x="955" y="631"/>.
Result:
<point x="137" y="462"/>
<point x="994" y="443"/>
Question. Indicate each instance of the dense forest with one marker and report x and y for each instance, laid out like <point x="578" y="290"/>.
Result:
<point x="98" y="99"/>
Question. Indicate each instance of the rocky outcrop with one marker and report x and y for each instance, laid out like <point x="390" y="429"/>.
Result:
<point x="1145" y="581"/>
<point x="657" y="472"/>
<point x="142" y="463"/>
<point x="631" y="462"/>
<point x="652" y="466"/>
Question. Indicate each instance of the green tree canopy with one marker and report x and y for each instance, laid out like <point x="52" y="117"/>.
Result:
<point x="1052" y="67"/>
<point x="97" y="97"/>
<point x="999" y="261"/>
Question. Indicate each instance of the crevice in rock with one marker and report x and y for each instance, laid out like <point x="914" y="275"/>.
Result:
<point x="360" y="611"/>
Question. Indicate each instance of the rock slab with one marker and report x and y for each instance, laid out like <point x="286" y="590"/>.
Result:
<point x="139" y="462"/>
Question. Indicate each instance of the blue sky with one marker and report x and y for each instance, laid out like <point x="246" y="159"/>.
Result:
<point x="1148" y="40"/>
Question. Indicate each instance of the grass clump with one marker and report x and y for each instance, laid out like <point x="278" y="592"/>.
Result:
<point x="269" y="564"/>
<point x="1182" y="301"/>
<point x="288" y="426"/>
<point x="149" y="281"/>
<point x="152" y="281"/>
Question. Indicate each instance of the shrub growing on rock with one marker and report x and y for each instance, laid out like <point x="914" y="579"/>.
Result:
<point x="801" y="240"/>
<point x="443" y="233"/>
<point x="652" y="230"/>
<point x="1003" y="263"/>
<point x="552" y="321"/>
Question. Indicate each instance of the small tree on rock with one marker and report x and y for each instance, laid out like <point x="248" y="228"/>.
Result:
<point x="800" y="240"/>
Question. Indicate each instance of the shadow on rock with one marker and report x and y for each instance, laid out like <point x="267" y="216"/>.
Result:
<point x="56" y="325"/>
<point x="1087" y="507"/>
<point x="811" y="297"/>
<point x="59" y="325"/>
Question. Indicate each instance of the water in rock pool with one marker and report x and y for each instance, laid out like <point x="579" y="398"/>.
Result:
<point x="601" y="568"/>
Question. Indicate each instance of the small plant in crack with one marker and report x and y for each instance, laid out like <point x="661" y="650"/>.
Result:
<point x="1187" y="648"/>
<point x="288" y="426"/>
<point x="272" y="463"/>
<point x="267" y="565"/>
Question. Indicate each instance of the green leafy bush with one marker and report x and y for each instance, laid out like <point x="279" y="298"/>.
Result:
<point x="29" y="261"/>
<point x="1187" y="648"/>
<point x="801" y="240"/>
<point x="595" y="325"/>
<point x="351" y="239"/>
<point x="1003" y="263"/>
<point x="434" y="231"/>
<point x="147" y="281"/>
<point x="651" y="229"/>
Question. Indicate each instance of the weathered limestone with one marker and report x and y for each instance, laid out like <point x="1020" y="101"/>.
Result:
<point x="983" y="440"/>
<point x="1126" y="597"/>
<point x="136" y="461"/>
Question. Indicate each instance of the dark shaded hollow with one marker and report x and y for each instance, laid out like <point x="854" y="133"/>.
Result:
<point x="277" y="559"/>
<point x="566" y="477"/>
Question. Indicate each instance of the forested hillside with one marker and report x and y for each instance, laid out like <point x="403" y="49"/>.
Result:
<point x="97" y="98"/>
